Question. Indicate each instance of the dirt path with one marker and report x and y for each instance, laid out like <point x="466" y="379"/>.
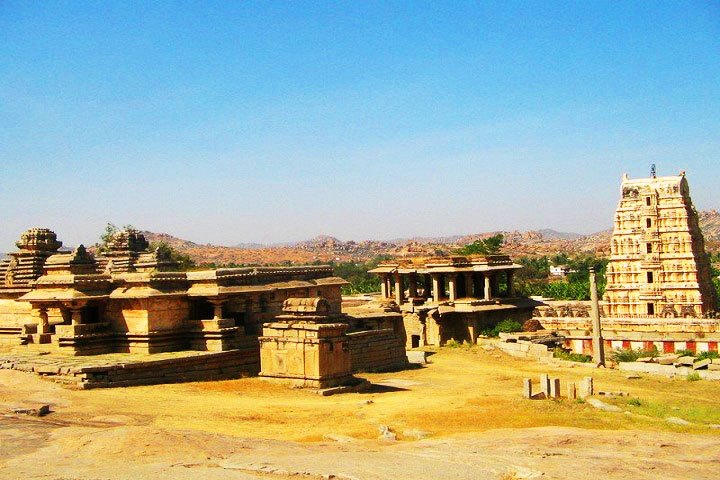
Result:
<point x="134" y="452"/>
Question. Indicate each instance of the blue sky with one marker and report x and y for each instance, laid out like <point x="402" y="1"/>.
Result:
<point x="238" y="122"/>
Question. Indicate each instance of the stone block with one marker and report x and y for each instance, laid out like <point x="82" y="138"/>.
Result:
<point x="555" y="388"/>
<point x="702" y="364"/>
<point x="685" y="361"/>
<point x="667" y="359"/>
<point x="571" y="391"/>
<point x="714" y="366"/>
<point x="527" y="388"/>
<point x="586" y="387"/>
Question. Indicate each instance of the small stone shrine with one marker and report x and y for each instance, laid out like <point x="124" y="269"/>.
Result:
<point x="307" y="345"/>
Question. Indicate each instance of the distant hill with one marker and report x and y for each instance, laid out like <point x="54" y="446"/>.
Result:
<point x="325" y="248"/>
<point x="548" y="233"/>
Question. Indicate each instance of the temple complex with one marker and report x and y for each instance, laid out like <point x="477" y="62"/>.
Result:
<point x="658" y="265"/>
<point x="444" y="298"/>
<point x="659" y="292"/>
<point x="131" y="299"/>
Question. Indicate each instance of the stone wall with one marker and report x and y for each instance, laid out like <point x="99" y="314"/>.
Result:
<point x="645" y="333"/>
<point x="190" y="367"/>
<point x="579" y="342"/>
<point x="634" y="324"/>
<point x="376" y="351"/>
<point x="525" y="349"/>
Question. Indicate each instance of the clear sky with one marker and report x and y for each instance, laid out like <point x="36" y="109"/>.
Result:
<point x="228" y="122"/>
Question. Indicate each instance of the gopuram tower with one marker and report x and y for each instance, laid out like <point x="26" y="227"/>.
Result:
<point x="658" y="266"/>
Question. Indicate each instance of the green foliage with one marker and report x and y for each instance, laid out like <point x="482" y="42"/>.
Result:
<point x="708" y="355"/>
<point x="685" y="353"/>
<point x="165" y="250"/>
<point x="452" y="343"/>
<point x="533" y="279"/>
<point x="110" y="230"/>
<point x="485" y="246"/>
<point x="563" y="354"/>
<point x="635" y="402"/>
<point x="567" y="290"/>
<point x="506" y="326"/>
<point x="357" y="274"/>
<point x="693" y="377"/>
<point x="630" y="355"/>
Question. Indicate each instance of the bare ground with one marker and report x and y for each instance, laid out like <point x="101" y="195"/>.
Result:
<point x="466" y="405"/>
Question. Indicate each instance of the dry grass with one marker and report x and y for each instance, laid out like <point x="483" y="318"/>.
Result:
<point x="462" y="391"/>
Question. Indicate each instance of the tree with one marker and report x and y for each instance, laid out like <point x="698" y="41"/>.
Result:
<point x="357" y="274"/>
<point x="484" y="246"/>
<point x="165" y="250"/>
<point x="110" y="230"/>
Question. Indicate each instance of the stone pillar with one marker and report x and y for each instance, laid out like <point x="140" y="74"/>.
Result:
<point x="586" y="387"/>
<point x="43" y="322"/>
<point x="452" y="286"/>
<point x="398" y="289"/>
<point x="217" y="308"/>
<point x="76" y="314"/>
<point x="598" y="344"/>
<point x="571" y="392"/>
<point x="412" y="285"/>
<point x="488" y="290"/>
<point x="384" y="286"/>
<point x="510" y="286"/>
<point x="545" y="384"/>
<point x="471" y="332"/>
<point x="436" y="287"/>
<point x="469" y="285"/>
<point x="527" y="388"/>
<point x="555" y="388"/>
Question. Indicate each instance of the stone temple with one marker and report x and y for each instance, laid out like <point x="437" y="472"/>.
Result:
<point x="659" y="293"/>
<point x="658" y="265"/>
<point x="132" y="299"/>
<point x="451" y="298"/>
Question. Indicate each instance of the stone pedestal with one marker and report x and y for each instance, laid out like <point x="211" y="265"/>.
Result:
<point x="41" y="337"/>
<point x="313" y="355"/>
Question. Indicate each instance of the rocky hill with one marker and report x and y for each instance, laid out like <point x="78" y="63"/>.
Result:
<point x="326" y="248"/>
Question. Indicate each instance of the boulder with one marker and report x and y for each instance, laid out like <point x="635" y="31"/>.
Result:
<point x="677" y="421"/>
<point x="603" y="406"/>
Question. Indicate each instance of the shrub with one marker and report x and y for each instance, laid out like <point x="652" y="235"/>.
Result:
<point x="693" y="377"/>
<point x="630" y="355"/>
<point x="685" y="353"/>
<point x="452" y="343"/>
<point x="708" y="355"/>
<point x="635" y="402"/>
<point x="570" y="356"/>
<point x="506" y="326"/>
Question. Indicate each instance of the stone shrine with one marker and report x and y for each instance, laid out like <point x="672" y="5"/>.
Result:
<point x="307" y="345"/>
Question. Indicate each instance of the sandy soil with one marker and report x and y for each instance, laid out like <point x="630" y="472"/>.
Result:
<point x="461" y="417"/>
